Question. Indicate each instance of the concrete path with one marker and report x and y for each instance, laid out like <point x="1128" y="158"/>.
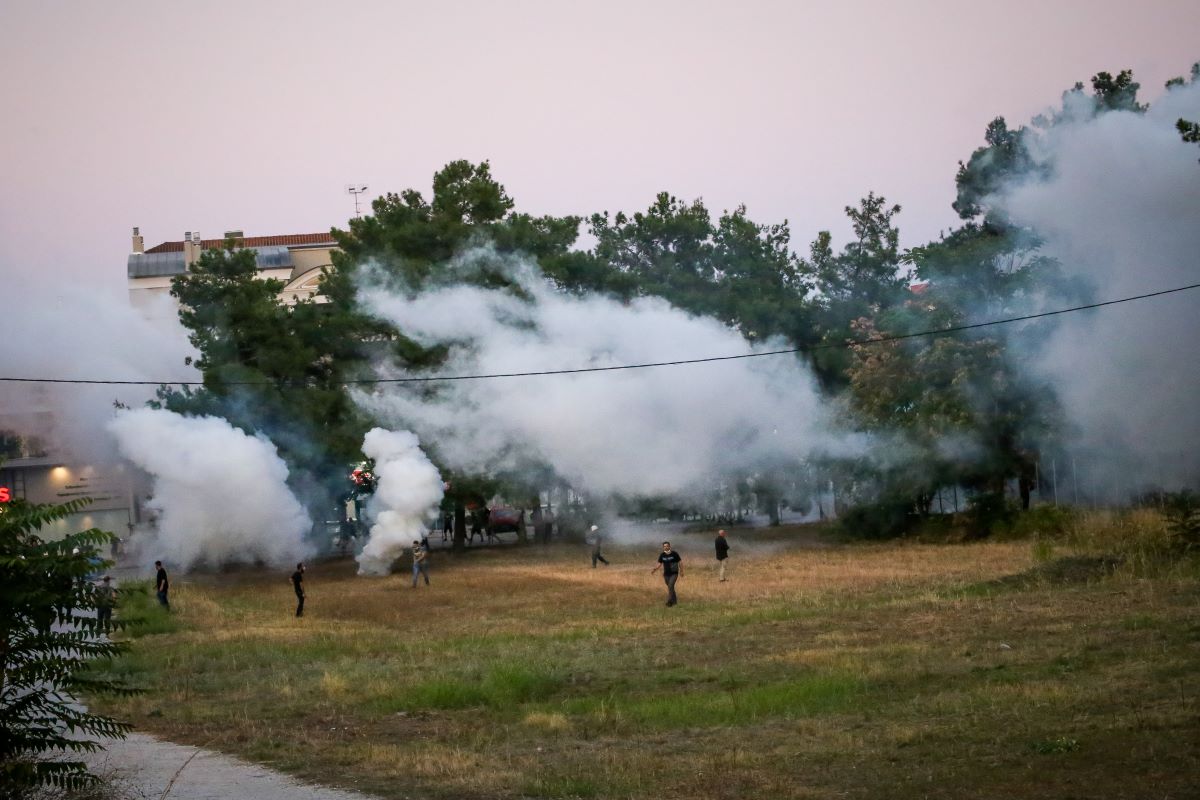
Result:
<point x="144" y="768"/>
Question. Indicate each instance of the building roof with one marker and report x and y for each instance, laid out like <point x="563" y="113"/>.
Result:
<point x="284" y="240"/>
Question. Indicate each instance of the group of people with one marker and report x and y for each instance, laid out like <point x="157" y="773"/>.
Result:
<point x="669" y="561"/>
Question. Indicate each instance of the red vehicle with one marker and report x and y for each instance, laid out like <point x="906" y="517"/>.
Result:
<point x="503" y="519"/>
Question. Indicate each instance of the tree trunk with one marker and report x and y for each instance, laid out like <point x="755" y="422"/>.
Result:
<point x="460" y="526"/>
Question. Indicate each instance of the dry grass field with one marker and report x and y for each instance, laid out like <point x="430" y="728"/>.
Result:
<point x="898" y="670"/>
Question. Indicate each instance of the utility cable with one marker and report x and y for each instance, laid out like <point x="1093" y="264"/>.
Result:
<point x="578" y="370"/>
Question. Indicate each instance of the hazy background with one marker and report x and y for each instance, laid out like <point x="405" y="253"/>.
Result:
<point x="223" y="115"/>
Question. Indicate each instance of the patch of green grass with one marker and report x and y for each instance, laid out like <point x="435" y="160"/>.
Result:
<point x="140" y="613"/>
<point x="500" y="686"/>
<point x="1055" y="746"/>
<point x="736" y="703"/>
<point x="565" y="788"/>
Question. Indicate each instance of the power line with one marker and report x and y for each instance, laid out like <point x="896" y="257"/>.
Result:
<point x="791" y="350"/>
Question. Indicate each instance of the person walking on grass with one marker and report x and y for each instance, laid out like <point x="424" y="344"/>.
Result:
<point x="420" y="557"/>
<point x="106" y="598"/>
<point x="162" y="586"/>
<point x="596" y="540"/>
<point x="672" y="567"/>
<point x="722" y="553"/>
<point x="298" y="585"/>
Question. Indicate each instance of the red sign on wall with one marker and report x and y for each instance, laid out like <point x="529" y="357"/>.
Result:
<point x="5" y="494"/>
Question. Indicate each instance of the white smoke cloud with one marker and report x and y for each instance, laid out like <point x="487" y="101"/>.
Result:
<point x="220" y="493"/>
<point x="408" y="488"/>
<point x="55" y="330"/>
<point x="1122" y="211"/>
<point x="659" y="430"/>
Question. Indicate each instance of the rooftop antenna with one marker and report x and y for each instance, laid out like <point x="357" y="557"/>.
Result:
<point x="356" y="189"/>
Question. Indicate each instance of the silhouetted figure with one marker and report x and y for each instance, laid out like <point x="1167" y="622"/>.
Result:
<point x="595" y="539"/>
<point x="161" y="586"/>
<point x="298" y="585"/>
<point x="722" y="545"/>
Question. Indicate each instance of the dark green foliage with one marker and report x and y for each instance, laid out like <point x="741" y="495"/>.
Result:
<point x="271" y="368"/>
<point x="1183" y="519"/>
<point x="735" y="270"/>
<point x="886" y="517"/>
<point x="1116" y="93"/>
<point x="1188" y="131"/>
<point x="48" y="636"/>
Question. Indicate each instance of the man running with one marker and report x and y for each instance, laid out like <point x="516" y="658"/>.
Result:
<point x="672" y="567"/>
<point x="298" y="585"/>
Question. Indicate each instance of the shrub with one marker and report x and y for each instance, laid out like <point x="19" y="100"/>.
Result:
<point x="48" y="636"/>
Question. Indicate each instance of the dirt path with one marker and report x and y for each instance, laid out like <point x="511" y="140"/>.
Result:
<point x="145" y="768"/>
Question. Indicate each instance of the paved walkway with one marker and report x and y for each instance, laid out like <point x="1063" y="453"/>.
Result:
<point x="145" y="768"/>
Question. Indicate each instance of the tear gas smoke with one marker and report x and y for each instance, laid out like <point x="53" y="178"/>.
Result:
<point x="665" y="430"/>
<point x="80" y="332"/>
<point x="1121" y="210"/>
<point x="221" y="494"/>
<point x="408" y="487"/>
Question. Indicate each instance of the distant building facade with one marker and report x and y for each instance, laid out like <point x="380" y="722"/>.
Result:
<point x="34" y="467"/>
<point x="296" y="259"/>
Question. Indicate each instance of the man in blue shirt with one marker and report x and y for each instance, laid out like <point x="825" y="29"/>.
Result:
<point x="672" y="567"/>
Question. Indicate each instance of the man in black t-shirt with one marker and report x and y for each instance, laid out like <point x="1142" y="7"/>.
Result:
<point x="298" y="585"/>
<point x="162" y="586"/>
<point x="722" y="545"/>
<point x="672" y="567"/>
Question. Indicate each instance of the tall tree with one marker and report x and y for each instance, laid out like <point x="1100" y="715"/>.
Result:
<point x="271" y="368"/>
<point x="412" y="242"/>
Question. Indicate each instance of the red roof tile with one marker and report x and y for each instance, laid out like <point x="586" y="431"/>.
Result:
<point x="287" y="239"/>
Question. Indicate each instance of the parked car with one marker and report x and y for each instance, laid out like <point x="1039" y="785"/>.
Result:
<point x="503" y="519"/>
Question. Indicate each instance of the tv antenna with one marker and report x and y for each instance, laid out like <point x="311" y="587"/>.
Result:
<point x="356" y="189"/>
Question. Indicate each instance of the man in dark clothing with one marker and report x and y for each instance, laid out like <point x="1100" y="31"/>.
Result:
<point x="106" y="598"/>
<point x="298" y="585"/>
<point x="161" y="586"/>
<point x="672" y="567"/>
<point x="722" y="552"/>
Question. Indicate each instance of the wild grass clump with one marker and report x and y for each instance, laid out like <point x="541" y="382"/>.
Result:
<point x="141" y="612"/>
<point x="502" y="685"/>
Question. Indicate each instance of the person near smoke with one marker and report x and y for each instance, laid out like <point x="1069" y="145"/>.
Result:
<point x="485" y="516"/>
<point x="476" y="528"/>
<point x="447" y="525"/>
<point x="672" y="566"/>
<point x="161" y="586"/>
<point x="420" y="557"/>
<point x="596" y="540"/>
<point x="722" y="545"/>
<point x="106" y="598"/>
<point x="298" y="585"/>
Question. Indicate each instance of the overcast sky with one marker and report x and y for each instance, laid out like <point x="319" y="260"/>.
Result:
<point x="255" y="115"/>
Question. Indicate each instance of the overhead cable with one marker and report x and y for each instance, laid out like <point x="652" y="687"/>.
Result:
<point x="680" y="362"/>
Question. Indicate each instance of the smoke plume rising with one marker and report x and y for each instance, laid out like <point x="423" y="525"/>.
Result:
<point x="408" y="488"/>
<point x="80" y="331"/>
<point x="1121" y="211"/>
<point x="220" y="494"/>
<point x="664" y="430"/>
